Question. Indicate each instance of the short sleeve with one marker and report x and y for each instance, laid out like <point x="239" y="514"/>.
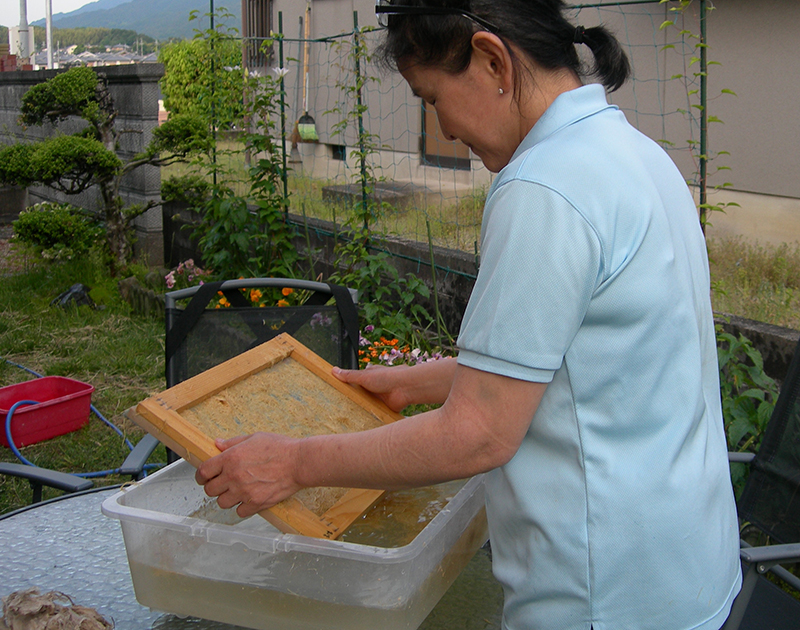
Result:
<point x="541" y="261"/>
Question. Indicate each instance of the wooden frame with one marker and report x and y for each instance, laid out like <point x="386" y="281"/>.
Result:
<point x="164" y="416"/>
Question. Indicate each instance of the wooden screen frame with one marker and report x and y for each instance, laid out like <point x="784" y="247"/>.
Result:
<point x="160" y="415"/>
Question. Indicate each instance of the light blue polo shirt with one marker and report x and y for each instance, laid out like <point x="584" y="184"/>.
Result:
<point x="617" y="511"/>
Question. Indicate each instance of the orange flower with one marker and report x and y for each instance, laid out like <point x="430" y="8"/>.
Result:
<point x="287" y="291"/>
<point x="365" y="360"/>
<point x="255" y="295"/>
<point x="283" y="303"/>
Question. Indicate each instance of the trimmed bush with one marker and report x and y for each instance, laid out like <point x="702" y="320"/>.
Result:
<point x="60" y="231"/>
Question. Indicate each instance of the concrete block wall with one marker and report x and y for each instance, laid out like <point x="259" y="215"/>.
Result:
<point x="135" y="91"/>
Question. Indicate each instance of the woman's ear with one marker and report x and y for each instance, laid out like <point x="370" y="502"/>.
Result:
<point x="492" y="56"/>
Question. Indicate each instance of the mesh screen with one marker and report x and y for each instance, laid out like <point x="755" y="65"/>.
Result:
<point x="221" y="334"/>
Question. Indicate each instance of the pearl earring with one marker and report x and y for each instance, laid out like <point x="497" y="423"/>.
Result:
<point x="501" y="91"/>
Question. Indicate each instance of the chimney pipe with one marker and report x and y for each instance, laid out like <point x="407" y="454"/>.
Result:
<point x="24" y="39"/>
<point x="49" y="32"/>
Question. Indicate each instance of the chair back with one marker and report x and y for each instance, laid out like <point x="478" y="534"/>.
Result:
<point x="771" y="496"/>
<point x="200" y="336"/>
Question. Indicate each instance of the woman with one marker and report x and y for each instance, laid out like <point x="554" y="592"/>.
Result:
<point x="586" y="380"/>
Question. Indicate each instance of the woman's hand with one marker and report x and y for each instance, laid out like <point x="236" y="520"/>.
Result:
<point x="255" y="471"/>
<point x="403" y="385"/>
<point x="382" y="381"/>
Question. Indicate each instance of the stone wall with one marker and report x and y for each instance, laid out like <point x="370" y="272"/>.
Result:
<point x="135" y="91"/>
<point x="12" y="201"/>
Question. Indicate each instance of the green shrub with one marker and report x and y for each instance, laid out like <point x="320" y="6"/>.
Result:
<point x="60" y="231"/>
<point x="192" y="189"/>
<point x="748" y="397"/>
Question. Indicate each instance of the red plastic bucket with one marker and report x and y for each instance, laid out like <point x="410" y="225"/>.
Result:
<point x="63" y="406"/>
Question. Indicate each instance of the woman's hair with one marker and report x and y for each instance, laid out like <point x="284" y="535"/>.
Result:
<point x="537" y="27"/>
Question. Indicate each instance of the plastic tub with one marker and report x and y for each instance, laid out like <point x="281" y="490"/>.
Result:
<point x="64" y="406"/>
<point x="216" y="566"/>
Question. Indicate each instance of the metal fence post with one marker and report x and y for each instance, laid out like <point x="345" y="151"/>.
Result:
<point x="213" y="97"/>
<point x="703" y="116"/>
<point x="284" y="175"/>
<point x="359" y="101"/>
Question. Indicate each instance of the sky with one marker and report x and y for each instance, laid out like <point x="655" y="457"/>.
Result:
<point x="9" y="9"/>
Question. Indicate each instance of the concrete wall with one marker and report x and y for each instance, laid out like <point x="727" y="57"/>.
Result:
<point x="134" y="89"/>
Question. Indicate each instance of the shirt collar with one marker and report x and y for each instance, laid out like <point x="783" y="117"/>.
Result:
<point x="568" y="107"/>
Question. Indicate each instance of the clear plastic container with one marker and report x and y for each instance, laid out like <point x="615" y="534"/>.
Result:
<point x="188" y="557"/>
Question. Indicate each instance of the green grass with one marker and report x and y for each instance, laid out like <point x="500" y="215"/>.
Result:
<point x="119" y="354"/>
<point x="758" y="282"/>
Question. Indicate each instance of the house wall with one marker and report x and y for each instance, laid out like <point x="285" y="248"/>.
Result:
<point x="751" y="40"/>
<point x="751" y="54"/>
<point x="134" y="89"/>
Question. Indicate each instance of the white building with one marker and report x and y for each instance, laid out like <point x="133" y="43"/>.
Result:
<point x="14" y="41"/>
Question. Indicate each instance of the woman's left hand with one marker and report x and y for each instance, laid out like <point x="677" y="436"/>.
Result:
<point x="255" y="471"/>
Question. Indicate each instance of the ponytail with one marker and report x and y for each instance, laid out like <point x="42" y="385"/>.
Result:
<point x="611" y="64"/>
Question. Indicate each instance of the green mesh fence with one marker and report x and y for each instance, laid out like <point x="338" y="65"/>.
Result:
<point x="375" y="157"/>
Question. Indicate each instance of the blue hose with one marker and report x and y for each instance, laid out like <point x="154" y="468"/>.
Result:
<point x="9" y="439"/>
<point x="92" y="407"/>
<point x="21" y="458"/>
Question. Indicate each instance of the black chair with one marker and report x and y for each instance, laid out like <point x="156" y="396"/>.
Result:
<point x="202" y="334"/>
<point x="770" y="503"/>
<point x="39" y="477"/>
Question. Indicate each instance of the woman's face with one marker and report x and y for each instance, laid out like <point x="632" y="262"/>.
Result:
<point x="470" y="108"/>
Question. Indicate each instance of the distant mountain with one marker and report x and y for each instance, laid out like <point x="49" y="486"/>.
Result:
<point x="100" y="5"/>
<point x="159" y="19"/>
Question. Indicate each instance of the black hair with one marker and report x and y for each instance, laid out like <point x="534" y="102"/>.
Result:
<point x="537" y="27"/>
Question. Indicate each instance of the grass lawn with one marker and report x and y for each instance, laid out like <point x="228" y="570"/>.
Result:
<point x="120" y="355"/>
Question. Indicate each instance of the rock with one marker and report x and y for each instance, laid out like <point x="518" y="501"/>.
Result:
<point x="32" y="610"/>
<point x="77" y="294"/>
